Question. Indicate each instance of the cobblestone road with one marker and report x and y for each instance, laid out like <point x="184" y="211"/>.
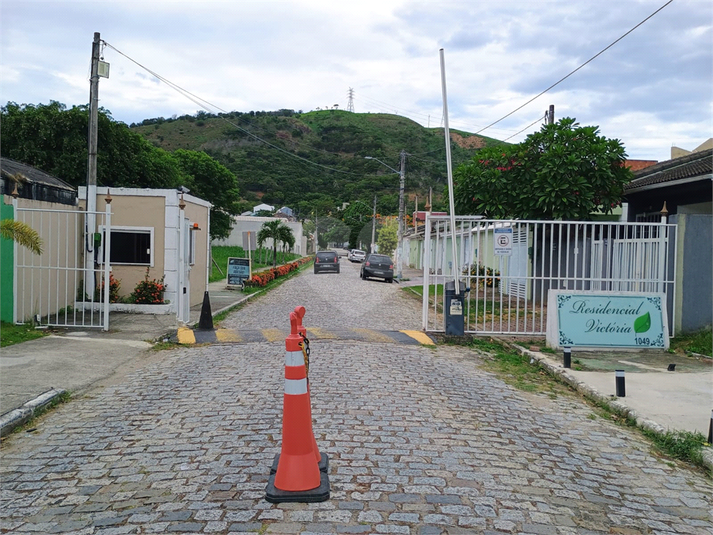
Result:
<point x="421" y="441"/>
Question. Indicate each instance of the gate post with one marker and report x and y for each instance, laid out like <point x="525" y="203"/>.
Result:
<point x="107" y="258"/>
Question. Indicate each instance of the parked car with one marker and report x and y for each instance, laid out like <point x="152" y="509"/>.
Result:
<point x="378" y="265"/>
<point x="357" y="255"/>
<point x="326" y="261"/>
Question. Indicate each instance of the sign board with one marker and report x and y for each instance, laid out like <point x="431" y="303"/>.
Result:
<point x="606" y="319"/>
<point x="249" y="241"/>
<point x="238" y="271"/>
<point x="502" y="242"/>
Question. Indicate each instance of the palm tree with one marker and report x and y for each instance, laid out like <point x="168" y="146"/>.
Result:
<point x="21" y="233"/>
<point x="287" y="238"/>
<point x="276" y="231"/>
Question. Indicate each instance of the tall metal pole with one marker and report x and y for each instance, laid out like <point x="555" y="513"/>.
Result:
<point x="402" y="177"/>
<point x="454" y="249"/>
<point x="551" y="114"/>
<point x="92" y="169"/>
<point x="373" y="228"/>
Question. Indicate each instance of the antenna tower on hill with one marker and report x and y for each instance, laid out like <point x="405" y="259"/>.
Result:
<point x="350" y="104"/>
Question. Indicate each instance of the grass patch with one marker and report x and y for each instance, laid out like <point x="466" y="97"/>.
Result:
<point x="16" y="334"/>
<point x="681" y="445"/>
<point x="515" y="369"/>
<point x="262" y="258"/>
<point x="700" y="342"/>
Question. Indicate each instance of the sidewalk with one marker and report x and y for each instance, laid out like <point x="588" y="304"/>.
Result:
<point x="34" y="372"/>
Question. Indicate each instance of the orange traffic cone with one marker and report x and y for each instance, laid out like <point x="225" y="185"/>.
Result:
<point x="322" y="459"/>
<point x="298" y="477"/>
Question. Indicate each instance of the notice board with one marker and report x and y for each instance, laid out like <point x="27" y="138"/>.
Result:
<point x="238" y="271"/>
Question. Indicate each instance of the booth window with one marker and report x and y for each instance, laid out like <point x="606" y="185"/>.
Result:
<point x="131" y="246"/>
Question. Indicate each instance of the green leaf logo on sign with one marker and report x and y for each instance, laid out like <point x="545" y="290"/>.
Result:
<point x="642" y="323"/>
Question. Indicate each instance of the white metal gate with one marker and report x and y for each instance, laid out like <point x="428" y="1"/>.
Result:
<point x="508" y="267"/>
<point x="56" y="288"/>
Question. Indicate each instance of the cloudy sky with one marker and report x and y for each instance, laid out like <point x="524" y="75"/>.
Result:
<point x="653" y="89"/>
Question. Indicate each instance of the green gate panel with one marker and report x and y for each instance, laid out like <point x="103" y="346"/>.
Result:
<point x="7" y="257"/>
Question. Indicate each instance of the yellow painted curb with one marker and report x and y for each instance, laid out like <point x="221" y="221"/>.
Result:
<point x="420" y="337"/>
<point x="186" y="336"/>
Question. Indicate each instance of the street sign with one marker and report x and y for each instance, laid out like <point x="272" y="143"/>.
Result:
<point x="502" y="243"/>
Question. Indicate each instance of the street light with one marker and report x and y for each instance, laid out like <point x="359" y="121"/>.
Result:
<point x="402" y="177"/>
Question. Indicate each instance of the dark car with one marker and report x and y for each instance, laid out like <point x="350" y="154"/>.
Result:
<point x="326" y="261"/>
<point x="378" y="265"/>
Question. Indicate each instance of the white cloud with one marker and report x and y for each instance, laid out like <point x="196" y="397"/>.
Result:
<point x="303" y="54"/>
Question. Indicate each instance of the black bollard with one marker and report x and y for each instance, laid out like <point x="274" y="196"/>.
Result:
<point x="206" y="321"/>
<point x="620" y="384"/>
<point x="567" y="357"/>
<point x="710" y="430"/>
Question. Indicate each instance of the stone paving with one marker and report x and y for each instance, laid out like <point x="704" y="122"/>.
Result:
<point x="420" y="441"/>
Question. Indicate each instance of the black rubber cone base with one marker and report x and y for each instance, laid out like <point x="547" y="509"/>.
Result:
<point x="206" y="321"/>
<point x="320" y="494"/>
<point x="323" y="463"/>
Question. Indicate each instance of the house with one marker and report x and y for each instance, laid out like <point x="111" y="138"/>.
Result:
<point x="162" y="234"/>
<point x="682" y="187"/>
<point x="263" y="208"/>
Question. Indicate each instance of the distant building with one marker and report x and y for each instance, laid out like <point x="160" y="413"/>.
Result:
<point x="263" y="208"/>
<point x="677" y="152"/>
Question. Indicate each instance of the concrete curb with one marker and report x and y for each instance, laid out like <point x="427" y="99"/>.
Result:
<point x="15" y="418"/>
<point x="556" y="370"/>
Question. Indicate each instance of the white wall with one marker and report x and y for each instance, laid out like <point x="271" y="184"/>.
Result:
<point x="253" y="224"/>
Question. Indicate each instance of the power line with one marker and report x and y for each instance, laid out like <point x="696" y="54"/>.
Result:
<point x="575" y="70"/>
<point x="204" y="103"/>
<point x="528" y="126"/>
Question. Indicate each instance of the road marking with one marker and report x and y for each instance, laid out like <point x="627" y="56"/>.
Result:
<point x="420" y="337"/>
<point x="373" y="336"/>
<point x="186" y="336"/>
<point x="316" y="332"/>
<point x="273" y="335"/>
<point x="227" y="335"/>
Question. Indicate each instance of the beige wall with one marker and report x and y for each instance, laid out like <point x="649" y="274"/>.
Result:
<point x="136" y="211"/>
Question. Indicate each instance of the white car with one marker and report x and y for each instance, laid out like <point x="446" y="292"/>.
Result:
<point x="356" y="255"/>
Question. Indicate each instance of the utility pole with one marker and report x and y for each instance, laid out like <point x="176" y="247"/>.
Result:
<point x="90" y="229"/>
<point x="402" y="179"/>
<point x="551" y="114"/>
<point x="373" y="228"/>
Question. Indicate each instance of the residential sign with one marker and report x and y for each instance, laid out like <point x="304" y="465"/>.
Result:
<point x="606" y="319"/>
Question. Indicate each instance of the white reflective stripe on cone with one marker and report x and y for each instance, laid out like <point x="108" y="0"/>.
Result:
<point x="294" y="358"/>
<point x="295" y="387"/>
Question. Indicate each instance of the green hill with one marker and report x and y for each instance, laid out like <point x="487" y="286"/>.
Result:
<point x="315" y="161"/>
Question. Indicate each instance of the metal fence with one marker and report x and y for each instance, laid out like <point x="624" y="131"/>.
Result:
<point x="507" y="267"/>
<point x="59" y="287"/>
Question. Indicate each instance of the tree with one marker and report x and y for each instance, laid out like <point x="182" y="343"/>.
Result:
<point x="388" y="237"/>
<point x="564" y="171"/>
<point x="287" y="238"/>
<point x="210" y="180"/>
<point x="275" y="231"/>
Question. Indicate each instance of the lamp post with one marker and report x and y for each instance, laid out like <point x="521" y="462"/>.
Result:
<point x="402" y="178"/>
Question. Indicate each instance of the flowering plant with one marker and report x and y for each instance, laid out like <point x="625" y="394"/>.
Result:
<point x="149" y="292"/>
